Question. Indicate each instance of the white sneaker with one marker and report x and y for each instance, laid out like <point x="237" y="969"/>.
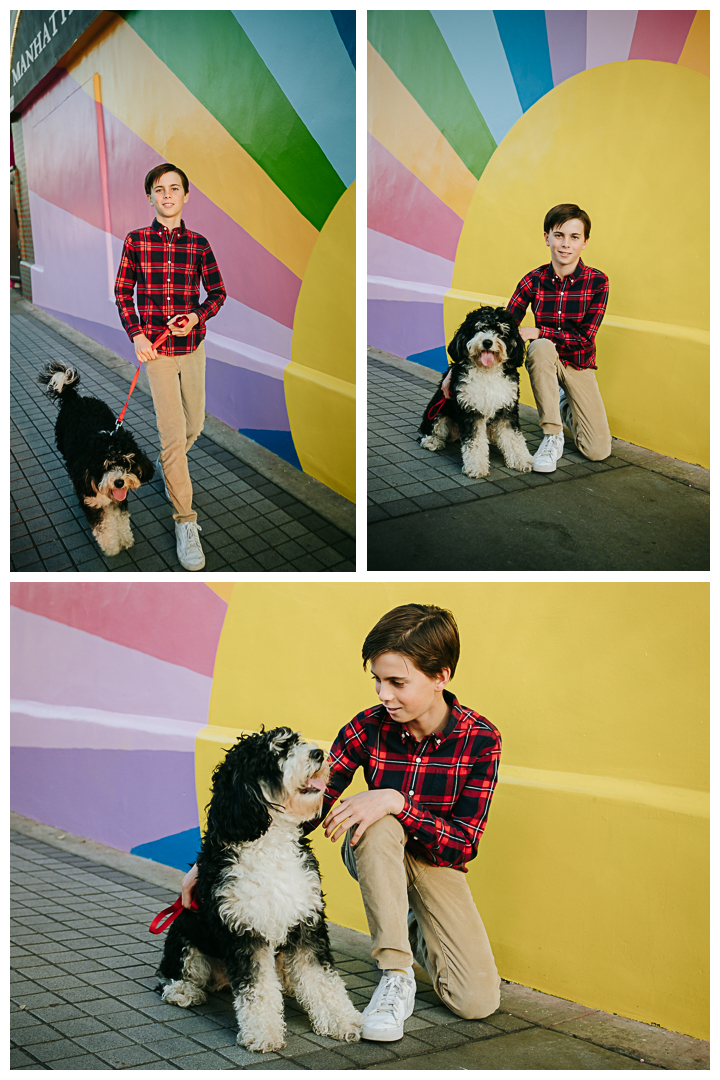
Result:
<point x="159" y="468"/>
<point x="189" y="550"/>
<point x="548" y="453"/>
<point x="390" y="1006"/>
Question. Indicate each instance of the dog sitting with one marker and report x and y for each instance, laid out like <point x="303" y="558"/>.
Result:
<point x="103" y="466"/>
<point x="261" y="925"/>
<point x="484" y="383"/>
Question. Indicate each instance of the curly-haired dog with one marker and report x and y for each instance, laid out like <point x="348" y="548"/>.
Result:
<point x="261" y="924"/>
<point x="484" y="383"/>
<point x="103" y="466"/>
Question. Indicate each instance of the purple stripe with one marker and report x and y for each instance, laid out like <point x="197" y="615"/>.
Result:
<point x="567" y="36"/>
<point x="609" y="36"/>
<point x="405" y="328"/>
<point x="120" y="798"/>
<point x="388" y="257"/>
<point x="245" y="399"/>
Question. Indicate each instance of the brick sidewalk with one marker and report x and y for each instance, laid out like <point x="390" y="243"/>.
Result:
<point x="83" y="997"/>
<point x="248" y="522"/>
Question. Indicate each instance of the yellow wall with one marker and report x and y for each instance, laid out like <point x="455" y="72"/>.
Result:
<point x="650" y="236"/>
<point x="592" y="875"/>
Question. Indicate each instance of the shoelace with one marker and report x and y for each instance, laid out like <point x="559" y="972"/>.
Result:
<point x="393" y="987"/>
<point x="191" y="536"/>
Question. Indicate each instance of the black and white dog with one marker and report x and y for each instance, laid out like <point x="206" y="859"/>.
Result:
<point x="103" y="466"/>
<point x="261" y="925"/>
<point x="484" y="382"/>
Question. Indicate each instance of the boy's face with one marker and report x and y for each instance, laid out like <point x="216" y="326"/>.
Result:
<point x="167" y="196"/>
<point x="566" y="242"/>
<point x="406" y="692"/>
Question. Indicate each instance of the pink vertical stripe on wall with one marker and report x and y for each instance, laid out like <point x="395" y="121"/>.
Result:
<point x="179" y="623"/>
<point x="660" y="35"/>
<point x="609" y="36"/>
<point x="400" y="205"/>
<point x="567" y="34"/>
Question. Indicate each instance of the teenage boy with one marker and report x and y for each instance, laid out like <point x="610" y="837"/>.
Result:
<point x="431" y="766"/>
<point x="166" y="263"/>
<point x="568" y="300"/>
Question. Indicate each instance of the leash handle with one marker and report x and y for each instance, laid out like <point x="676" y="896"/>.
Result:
<point x="437" y="408"/>
<point x="160" y="923"/>
<point x="182" y="319"/>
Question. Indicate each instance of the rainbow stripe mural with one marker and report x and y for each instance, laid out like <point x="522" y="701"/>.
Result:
<point x="480" y="121"/>
<point x="110" y="686"/>
<point x="258" y="108"/>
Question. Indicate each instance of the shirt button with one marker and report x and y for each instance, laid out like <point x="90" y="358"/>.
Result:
<point x="418" y="759"/>
<point x="411" y="792"/>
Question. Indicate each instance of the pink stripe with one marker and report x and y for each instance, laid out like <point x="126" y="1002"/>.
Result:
<point x="609" y="36"/>
<point x="400" y="205"/>
<point x="179" y="623"/>
<point x="63" y="167"/>
<point x="388" y="257"/>
<point x="660" y="35"/>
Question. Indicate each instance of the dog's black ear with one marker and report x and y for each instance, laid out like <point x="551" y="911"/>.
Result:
<point x="515" y="345"/>
<point x="143" y="467"/>
<point x="238" y="812"/>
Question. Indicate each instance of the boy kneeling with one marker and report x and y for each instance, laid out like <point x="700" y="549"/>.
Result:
<point x="431" y="767"/>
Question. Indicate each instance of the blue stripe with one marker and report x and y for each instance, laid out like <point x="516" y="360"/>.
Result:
<point x="524" y="38"/>
<point x="432" y="358"/>
<point x="309" y="61"/>
<point x="345" y="23"/>
<point x="473" y="35"/>
<point x="179" y="850"/>
<point x="280" y="442"/>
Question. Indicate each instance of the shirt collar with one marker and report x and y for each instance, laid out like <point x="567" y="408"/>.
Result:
<point x="439" y="736"/>
<point x="577" y="272"/>
<point x="158" y="227"/>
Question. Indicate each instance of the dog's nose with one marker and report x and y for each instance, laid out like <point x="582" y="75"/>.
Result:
<point x="317" y="755"/>
<point x="487" y="343"/>
<point x="119" y="483"/>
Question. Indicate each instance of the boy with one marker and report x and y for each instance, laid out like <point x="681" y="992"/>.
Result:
<point x="431" y="767"/>
<point x="568" y="300"/>
<point x="167" y="262"/>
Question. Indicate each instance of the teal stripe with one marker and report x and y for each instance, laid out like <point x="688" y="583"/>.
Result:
<point x="212" y="55"/>
<point x="412" y="45"/>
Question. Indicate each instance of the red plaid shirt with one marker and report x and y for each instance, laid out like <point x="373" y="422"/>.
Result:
<point x="167" y="267"/>
<point x="567" y="310"/>
<point x="448" y="779"/>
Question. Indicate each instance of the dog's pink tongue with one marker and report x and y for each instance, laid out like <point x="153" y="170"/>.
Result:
<point x="119" y="493"/>
<point x="317" y="782"/>
<point x="486" y="358"/>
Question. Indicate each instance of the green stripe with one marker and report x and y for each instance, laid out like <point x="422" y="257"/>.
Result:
<point x="412" y="45"/>
<point x="212" y="55"/>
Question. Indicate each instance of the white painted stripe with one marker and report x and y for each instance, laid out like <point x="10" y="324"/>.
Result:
<point x="166" y="727"/>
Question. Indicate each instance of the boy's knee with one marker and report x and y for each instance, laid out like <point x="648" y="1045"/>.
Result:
<point x="541" y="351"/>
<point x="387" y="829"/>
<point x="472" y="1002"/>
<point x="595" y="449"/>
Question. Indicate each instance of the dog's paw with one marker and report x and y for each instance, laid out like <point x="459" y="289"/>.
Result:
<point x="431" y="442"/>
<point x="476" y="472"/>
<point x="183" y="993"/>
<point x="349" y="1029"/>
<point x="261" y="1044"/>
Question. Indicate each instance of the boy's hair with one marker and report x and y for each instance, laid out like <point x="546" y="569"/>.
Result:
<point x="154" y="175"/>
<point x="566" y="212"/>
<point x="426" y="634"/>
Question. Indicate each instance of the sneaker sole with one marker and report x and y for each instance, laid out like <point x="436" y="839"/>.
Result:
<point x="191" y="568"/>
<point x="544" y="468"/>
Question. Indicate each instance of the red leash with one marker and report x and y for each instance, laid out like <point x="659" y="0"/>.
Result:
<point x="165" y="334"/>
<point x="157" y="926"/>
<point x="437" y="408"/>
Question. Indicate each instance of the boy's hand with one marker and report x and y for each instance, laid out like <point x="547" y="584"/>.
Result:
<point x="183" y="331"/>
<point x="362" y="810"/>
<point x="188" y="886"/>
<point x="446" y="385"/>
<point x="529" y="333"/>
<point x="144" y="349"/>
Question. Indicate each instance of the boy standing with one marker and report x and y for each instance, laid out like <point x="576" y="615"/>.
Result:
<point x="568" y="300"/>
<point x="167" y="262"/>
<point x="431" y="767"/>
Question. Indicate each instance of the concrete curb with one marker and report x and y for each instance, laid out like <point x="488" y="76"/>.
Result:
<point x="145" y="869"/>
<point x="339" y="511"/>
<point x="691" y="475"/>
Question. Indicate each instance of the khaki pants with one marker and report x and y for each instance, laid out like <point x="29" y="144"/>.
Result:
<point x="589" y="422"/>
<point x="447" y="932"/>
<point x="178" y="390"/>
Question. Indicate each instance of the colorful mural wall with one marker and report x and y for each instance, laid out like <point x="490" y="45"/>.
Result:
<point x="110" y="686"/>
<point x="480" y="121"/>
<point x="258" y="108"/>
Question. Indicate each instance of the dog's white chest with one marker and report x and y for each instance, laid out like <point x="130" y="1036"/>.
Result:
<point x="486" y="392"/>
<point x="270" y="889"/>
